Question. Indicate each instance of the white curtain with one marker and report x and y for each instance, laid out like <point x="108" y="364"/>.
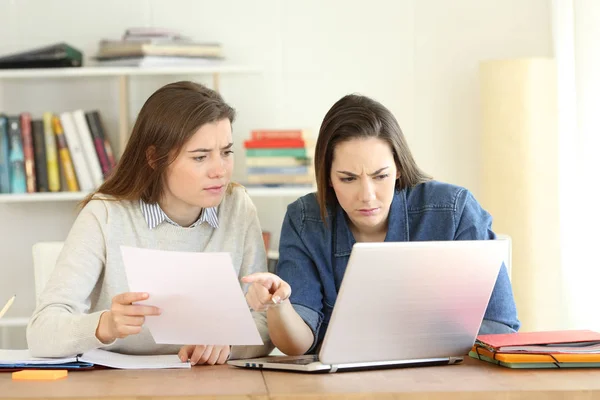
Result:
<point x="576" y="34"/>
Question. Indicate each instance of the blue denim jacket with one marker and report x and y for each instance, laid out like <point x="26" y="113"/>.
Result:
<point x="313" y="257"/>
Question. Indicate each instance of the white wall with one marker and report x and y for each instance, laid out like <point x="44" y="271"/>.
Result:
<point x="418" y="57"/>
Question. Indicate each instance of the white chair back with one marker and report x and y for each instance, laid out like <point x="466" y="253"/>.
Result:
<point x="45" y="255"/>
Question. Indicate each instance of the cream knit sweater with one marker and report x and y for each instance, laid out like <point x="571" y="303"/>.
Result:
<point x="89" y="273"/>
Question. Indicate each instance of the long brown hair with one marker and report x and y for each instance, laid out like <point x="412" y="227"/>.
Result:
<point x="165" y="123"/>
<point x="360" y="117"/>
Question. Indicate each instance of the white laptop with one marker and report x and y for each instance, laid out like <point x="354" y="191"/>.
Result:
<point x="404" y="304"/>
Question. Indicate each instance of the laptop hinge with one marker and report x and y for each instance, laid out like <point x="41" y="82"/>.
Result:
<point x="333" y="369"/>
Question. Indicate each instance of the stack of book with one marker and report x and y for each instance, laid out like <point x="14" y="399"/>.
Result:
<point x="552" y="349"/>
<point x="66" y="152"/>
<point x="145" y="47"/>
<point x="279" y="158"/>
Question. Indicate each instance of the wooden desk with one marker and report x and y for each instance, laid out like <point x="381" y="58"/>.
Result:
<point x="199" y="382"/>
<point x="472" y="380"/>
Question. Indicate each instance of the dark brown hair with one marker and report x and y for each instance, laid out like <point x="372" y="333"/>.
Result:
<point x="360" y="117"/>
<point x="167" y="120"/>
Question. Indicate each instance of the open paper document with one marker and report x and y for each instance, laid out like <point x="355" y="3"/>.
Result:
<point x="15" y="357"/>
<point x="124" y="361"/>
<point x="10" y="359"/>
<point x="199" y="296"/>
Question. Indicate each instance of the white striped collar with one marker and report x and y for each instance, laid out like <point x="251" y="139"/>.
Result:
<point x="154" y="216"/>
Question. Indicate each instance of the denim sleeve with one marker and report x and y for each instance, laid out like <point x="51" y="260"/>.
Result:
<point x="297" y="268"/>
<point x="474" y="223"/>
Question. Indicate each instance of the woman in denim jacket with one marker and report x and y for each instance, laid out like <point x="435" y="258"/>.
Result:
<point x="369" y="189"/>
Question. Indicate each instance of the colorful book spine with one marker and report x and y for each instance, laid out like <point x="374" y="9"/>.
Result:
<point x="276" y="153"/>
<point x="18" y="183"/>
<point x="302" y="170"/>
<point x="280" y="179"/>
<point x="268" y="134"/>
<point x="277" y="161"/>
<point x="28" y="152"/>
<point x="65" y="156"/>
<point x="275" y="144"/>
<point x="89" y="150"/>
<point x="98" y="140"/>
<point x="51" y="154"/>
<point x="4" y="156"/>
<point x="41" y="163"/>
<point x="98" y="131"/>
<point x="84" y="177"/>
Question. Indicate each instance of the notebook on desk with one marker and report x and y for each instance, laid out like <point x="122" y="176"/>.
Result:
<point x="546" y="349"/>
<point x="403" y="304"/>
<point x="21" y="359"/>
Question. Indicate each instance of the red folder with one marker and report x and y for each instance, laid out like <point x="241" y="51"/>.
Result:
<point x="532" y="338"/>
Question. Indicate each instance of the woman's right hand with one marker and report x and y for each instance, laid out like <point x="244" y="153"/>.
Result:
<point x="124" y="317"/>
<point x="266" y="290"/>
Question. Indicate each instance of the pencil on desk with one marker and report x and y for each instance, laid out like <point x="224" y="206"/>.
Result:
<point x="7" y="306"/>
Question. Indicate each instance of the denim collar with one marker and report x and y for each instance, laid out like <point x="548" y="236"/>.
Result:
<point x="397" y="225"/>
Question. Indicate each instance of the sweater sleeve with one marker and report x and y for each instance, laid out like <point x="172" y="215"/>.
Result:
<point x="254" y="260"/>
<point x="61" y="325"/>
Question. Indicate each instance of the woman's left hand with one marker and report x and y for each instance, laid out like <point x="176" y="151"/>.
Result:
<point x="204" y="354"/>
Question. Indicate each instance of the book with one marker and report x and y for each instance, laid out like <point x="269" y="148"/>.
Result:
<point x="267" y="134"/>
<point x="280" y="179"/>
<point x="18" y="182"/>
<point x="22" y="359"/>
<point x="535" y="361"/>
<point x="89" y="150"/>
<point x="301" y="170"/>
<point x="28" y="152"/>
<point x="65" y="156"/>
<point x="84" y="177"/>
<point x="57" y="55"/>
<point x="98" y="138"/>
<point x="278" y="161"/>
<point x="550" y="342"/>
<point x="4" y="155"/>
<point x="300" y="152"/>
<point x="550" y="349"/>
<point x="140" y="48"/>
<point x="39" y="149"/>
<point x="51" y="154"/>
<point x="103" y="144"/>
<point x="151" y="32"/>
<point x="277" y="143"/>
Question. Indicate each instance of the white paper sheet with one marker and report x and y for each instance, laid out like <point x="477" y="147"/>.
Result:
<point x="198" y="293"/>
<point x="124" y="361"/>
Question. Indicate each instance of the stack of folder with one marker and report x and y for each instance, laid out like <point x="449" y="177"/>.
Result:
<point x="552" y="349"/>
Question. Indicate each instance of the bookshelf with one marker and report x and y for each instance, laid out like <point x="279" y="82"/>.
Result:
<point x="123" y="74"/>
<point x="123" y="71"/>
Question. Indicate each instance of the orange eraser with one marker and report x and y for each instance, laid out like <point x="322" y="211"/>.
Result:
<point x="39" y="375"/>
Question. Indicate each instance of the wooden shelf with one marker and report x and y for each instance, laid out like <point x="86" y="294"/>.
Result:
<point x="78" y="196"/>
<point x="124" y="71"/>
